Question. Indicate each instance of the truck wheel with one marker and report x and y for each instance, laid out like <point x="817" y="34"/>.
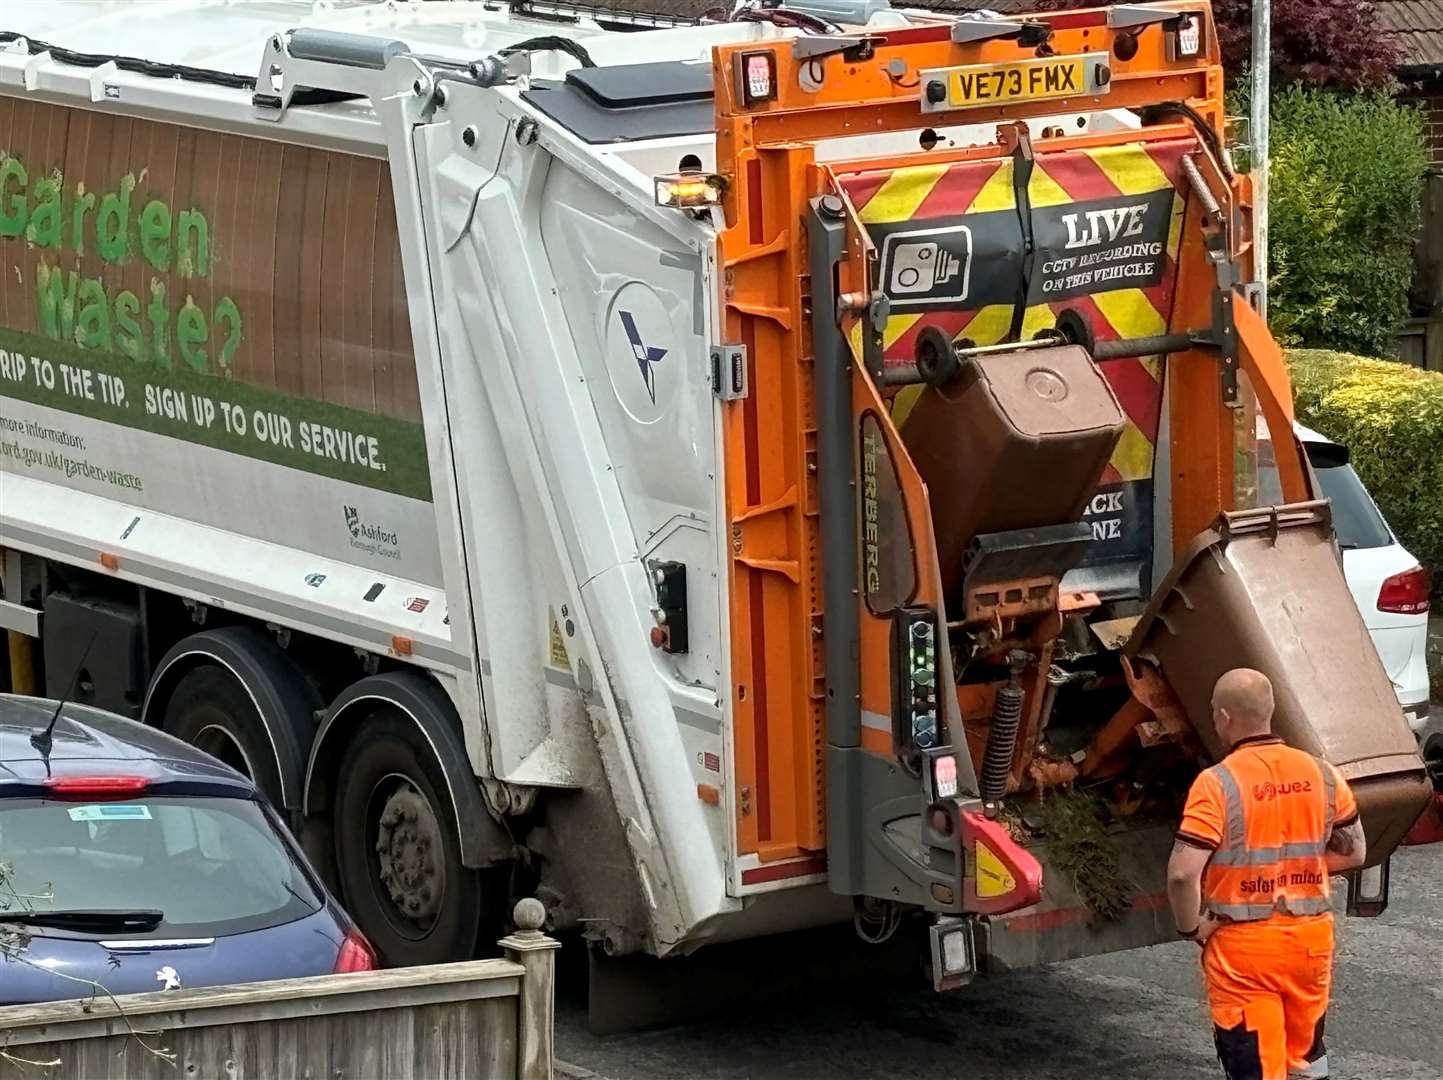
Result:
<point x="397" y="852"/>
<point x="213" y="712"/>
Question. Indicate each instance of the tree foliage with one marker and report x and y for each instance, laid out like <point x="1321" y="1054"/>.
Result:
<point x="1347" y="173"/>
<point x="1320" y="42"/>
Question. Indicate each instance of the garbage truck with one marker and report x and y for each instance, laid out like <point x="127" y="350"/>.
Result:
<point x="723" y="473"/>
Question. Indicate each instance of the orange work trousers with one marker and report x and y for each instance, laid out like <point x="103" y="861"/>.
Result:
<point x="1268" y="985"/>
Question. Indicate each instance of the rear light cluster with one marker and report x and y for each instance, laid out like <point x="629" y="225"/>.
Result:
<point x="1406" y="593"/>
<point x="96" y="787"/>
<point x="356" y="955"/>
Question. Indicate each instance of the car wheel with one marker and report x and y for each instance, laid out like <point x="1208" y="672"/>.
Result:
<point x="397" y="852"/>
<point x="212" y="711"/>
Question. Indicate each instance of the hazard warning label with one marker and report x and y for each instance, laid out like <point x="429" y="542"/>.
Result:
<point x="993" y="878"/>
<point x="557" y="644"/>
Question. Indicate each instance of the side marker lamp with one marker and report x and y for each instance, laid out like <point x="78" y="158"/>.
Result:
<point x="688" y="190"/>
<point x="944" y="776"/>
<point x="1185" y="38"/>
<point x="757" y="77"/>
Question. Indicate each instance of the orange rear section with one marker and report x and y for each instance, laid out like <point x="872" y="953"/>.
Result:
<point x="767" y="155"/>
<point x="772" y="507"/>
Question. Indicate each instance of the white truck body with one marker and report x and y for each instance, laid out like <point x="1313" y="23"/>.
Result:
<point x="555" y="474"/>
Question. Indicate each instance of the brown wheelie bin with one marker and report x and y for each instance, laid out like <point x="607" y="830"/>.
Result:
<point x="1017" y="441"/>
<point x="1264" y="589"/>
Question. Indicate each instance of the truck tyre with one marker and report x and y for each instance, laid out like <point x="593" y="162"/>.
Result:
<point x="398" y="856"/>
<point x="212" y="711"/>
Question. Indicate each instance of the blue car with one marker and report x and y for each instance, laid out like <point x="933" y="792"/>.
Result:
<point x="133" y="860"/>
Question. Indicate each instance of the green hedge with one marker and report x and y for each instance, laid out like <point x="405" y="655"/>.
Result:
<point x="1390" y="417"/>
<point x="1347" y="172"/>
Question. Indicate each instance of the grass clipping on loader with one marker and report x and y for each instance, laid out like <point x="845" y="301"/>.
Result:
<point x="1078" y="844"/>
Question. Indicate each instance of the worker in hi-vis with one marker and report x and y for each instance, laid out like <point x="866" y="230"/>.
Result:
<point x="1248" y="880"/>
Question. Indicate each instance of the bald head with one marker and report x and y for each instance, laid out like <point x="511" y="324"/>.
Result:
<point x="1243" y="704"/>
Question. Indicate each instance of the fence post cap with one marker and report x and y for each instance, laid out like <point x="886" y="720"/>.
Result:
<point x="529" y="915"/>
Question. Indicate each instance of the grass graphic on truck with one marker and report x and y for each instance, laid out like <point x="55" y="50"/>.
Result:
<point x="148" y="284"/>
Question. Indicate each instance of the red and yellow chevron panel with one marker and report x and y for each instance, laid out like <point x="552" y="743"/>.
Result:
<point x="1106" y="223"/>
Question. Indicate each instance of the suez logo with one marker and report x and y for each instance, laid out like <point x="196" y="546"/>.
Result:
<point x="1268" y="791"/>
<point x="370" y="538"/>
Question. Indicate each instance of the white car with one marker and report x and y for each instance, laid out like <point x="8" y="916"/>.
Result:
<point x="1389" y="586"/>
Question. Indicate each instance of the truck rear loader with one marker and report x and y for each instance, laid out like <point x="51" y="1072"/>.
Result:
<point x="722" y="475"/>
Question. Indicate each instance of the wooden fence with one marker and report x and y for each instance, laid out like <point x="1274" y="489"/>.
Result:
<point x="484" y="1019"/>
<point x="1421" y="340"/>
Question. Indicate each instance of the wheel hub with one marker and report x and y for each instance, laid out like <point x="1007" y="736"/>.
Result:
<point x="408" y="847"/>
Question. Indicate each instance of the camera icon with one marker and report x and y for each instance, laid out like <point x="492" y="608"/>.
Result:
<point x="928" y="266"/>
<point x="919" y="268"/>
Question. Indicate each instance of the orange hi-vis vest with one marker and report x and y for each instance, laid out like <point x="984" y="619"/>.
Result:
<point x="1267" y="811"/>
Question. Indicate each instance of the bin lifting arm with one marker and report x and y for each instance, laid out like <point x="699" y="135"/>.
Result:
<point x="1262" y="360"/>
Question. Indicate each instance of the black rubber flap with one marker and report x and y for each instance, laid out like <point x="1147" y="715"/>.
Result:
<point x="629" y="102"/>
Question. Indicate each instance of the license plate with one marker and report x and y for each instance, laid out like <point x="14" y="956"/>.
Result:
<point x="976" y="85"/>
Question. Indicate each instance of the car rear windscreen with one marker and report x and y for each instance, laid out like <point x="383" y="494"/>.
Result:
<point x="1355" y="518"/>
<point x="215" y="866"/>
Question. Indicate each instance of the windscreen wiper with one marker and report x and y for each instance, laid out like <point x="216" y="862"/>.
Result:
<point x="95" y="920"/>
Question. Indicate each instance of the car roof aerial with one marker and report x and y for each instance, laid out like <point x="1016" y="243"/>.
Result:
<point x="89" y="741"/>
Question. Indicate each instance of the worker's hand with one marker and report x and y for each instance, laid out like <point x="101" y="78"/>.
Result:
<point x="1205" y="928"/>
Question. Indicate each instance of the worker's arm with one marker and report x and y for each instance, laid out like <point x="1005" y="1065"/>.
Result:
<point x="1347" y="848"/>
<point x="1198" y="835"/>
<point x="1184" y="886"/>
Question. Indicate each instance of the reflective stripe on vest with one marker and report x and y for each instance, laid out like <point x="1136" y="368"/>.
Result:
<point x="1248" y="884"/>
<point x="1313" y="905"/>
<point x="1263" y="856"/>
<point x="1236" y="835"/>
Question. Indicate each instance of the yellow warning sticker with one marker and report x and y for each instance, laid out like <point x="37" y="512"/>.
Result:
<point x="558" y="644"/>
<point x="992" y="877"/>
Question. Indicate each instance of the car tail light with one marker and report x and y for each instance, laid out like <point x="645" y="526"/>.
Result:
<point x="96" y="787"/>
<point x="1406" y="593"/>
<point x="356" y="954"/>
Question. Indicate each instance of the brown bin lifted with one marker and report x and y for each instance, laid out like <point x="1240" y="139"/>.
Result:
<point x="1018" y="441"/>
<point x="1264" y="589"/>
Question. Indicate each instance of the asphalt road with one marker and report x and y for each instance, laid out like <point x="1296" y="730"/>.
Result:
<point x="1131" y="1016"/>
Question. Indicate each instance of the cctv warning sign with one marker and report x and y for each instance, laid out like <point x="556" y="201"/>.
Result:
<point x="929" y="266"/>
<point x="1100" y="245"/>
<point x="975" y="250"/>
<point x="1077" y="248"/>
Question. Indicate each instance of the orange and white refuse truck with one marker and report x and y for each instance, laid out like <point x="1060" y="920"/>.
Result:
<point x="724" y="475"/>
